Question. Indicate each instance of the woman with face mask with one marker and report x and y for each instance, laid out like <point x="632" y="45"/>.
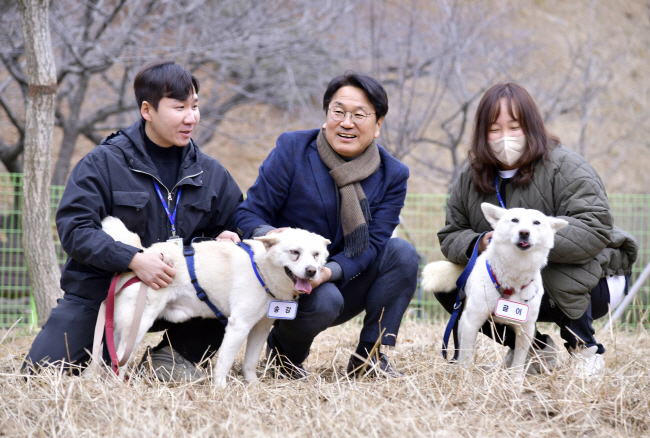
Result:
<point x="515" y="162"/>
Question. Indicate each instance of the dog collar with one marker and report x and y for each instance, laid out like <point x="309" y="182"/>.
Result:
<point x="248" y="249"/>
<point x="506" y="291"/>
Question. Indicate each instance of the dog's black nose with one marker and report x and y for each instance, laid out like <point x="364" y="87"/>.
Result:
<point x="524" y="234"/>
<point x="310" y="271"/>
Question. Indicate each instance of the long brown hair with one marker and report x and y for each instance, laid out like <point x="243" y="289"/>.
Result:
<point x="522" y="108"/>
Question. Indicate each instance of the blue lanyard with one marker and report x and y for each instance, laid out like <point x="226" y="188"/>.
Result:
<point x="496" y="185"/>
<point x="171" y="216"/>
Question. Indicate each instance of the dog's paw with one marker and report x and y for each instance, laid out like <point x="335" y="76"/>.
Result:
<point x="517" y="378"/>
<point x="451" y="368"/>
<point x="221" y="382"/>
<point x="252" y="382"/>
<point x="250" y="376"/>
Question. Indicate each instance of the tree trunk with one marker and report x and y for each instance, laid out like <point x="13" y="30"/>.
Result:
<point x="70" y="134"/>
<point x="62" y="167"/>
<point x="38" y="242"/>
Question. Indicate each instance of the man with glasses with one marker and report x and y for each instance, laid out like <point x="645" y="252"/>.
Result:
<point x="337" y="182"/>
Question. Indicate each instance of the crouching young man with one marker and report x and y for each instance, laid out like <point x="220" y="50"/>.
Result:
<point x="154" y="178"/>
<point x="337" y="182"/>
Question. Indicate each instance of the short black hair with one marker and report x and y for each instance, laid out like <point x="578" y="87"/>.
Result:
<point x="160" y="79"/>
<point x="371" y="86"/>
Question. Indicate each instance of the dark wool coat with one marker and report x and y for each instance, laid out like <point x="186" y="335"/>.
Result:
<point x="565" y="186"/>
<point x="115" y="179"/>
<point x="295" y="189"/>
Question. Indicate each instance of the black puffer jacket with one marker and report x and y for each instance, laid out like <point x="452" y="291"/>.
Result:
<point x="565" y="186"/>
<point x="115" y="179"/>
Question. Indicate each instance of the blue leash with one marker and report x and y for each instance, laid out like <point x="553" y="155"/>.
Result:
<point x="188" y="251"/>
<point x="460" y="286"/>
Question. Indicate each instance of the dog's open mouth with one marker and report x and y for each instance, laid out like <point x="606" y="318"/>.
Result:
<point x="522" y="245"/>
<point x="301" y="285"/>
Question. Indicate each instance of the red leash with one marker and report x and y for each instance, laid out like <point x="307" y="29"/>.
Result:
<point x="110" y="325"/>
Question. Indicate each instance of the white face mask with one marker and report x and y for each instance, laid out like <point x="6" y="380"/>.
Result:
<point x="508" y="150"/>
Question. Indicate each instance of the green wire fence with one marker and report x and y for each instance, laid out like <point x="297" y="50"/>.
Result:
<point x="422" y="217"/>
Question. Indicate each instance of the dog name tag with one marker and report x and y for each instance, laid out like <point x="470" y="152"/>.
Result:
<point x="282" y="309"/>
<point x="178" y="241"/>
<point x="511" y="310"/>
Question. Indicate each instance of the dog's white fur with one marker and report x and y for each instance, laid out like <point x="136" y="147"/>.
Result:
<point x="515" y="259"/>
<point x="225" y="273"/>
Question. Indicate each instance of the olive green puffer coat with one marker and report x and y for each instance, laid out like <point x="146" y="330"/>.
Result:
<point x="565" y="186"/>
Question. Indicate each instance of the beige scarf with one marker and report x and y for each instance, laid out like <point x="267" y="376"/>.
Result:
<point x="355" y="210"/>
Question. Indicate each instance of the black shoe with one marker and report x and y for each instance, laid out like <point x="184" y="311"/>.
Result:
<point x="358" y="367"/>
<point x="280" y="366"/>
<point x="167" y="365"/>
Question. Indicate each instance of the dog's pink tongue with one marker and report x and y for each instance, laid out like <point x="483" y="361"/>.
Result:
<point x="303" y="285"/>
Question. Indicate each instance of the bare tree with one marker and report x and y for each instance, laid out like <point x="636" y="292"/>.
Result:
<point x="13" y="138"/>
<point x="244" y="51"/>
<point x="435" y="59"/>
<point x="583" y="91"/>
<point x="84" y="50"/>
<point x="38" y="242"/>
<point x="274" y="53"/>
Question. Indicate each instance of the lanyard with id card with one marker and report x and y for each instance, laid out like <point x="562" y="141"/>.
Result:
<point x="176" y="240"/>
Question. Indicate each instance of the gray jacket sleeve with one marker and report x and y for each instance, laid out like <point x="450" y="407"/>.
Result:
<point x="580" y="198"/>
<point x="457" y="236"/>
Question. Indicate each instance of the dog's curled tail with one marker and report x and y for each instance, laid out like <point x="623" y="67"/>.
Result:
<point x="118" y="231"/>
<point x="441" y="276"/>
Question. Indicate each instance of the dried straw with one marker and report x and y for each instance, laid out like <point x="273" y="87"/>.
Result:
<point x="433" y="399"/>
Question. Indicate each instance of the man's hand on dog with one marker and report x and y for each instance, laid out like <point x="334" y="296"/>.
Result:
<point x="276" y="230"/>
<point x="485" y="241"/>
<point x="150" y="268"/>
<point x="325" y="275"/>
<point x="228" y="235"/>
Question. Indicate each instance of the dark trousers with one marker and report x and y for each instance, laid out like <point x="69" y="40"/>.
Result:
<point x="549" y="312"/>
<point x="67" y="336"/>
<point x="384" y="291"/>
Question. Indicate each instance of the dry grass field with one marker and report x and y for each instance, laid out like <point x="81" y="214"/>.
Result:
<point x="433" y="399"/>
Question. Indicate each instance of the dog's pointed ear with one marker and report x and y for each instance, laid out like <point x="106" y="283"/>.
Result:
<point x="327" y="241"/>
<point x="492" y="213"/>
<point x="557" y="223"/>
<point x="268" y="241"/>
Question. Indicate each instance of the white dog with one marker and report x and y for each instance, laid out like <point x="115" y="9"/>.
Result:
<point x="286" y="261"/>
<point x="516" y="254"/>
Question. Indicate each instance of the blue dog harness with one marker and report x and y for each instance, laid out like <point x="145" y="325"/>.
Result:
<point x="188" y="251"/>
